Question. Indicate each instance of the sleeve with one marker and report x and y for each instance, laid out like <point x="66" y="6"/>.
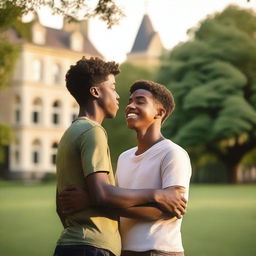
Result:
<point x="176" y="169"/>
<point x="117" y="174"/>
<point x="94" y="151"/>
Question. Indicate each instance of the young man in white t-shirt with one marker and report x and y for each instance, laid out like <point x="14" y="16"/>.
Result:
<point x="156" y="163"/>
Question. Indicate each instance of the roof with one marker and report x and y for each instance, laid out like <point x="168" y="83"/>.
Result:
<point x="59" y="39"/>
<point x="144" y="36"/>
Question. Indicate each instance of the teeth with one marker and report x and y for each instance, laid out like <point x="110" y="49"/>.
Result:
<point x="131" y="115"/>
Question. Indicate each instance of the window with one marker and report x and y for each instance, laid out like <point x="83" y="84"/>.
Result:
<point x="17" y="116"/>
<point x="37" y="70"/>
<point x="56" y="113"/>
<point x="16" y="156"/>
<point x="74" y="111"/>
<point x="56" y="69"/>
<point x="35" y="157"/>
<point x="37" y="109"/>
<point x="17" y="109"/>
<point x="16" y="152"/>
<point x="54" y="153"/>
<point x="36" y="146"/>
<point x="35" y="117"/>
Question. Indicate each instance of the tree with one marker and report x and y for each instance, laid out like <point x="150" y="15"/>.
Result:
<point x="106" y="10"/>
<point x="212" y="77"/>
<point x="120" y="137"/>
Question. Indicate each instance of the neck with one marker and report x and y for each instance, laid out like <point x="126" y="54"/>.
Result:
<point x="147" y="138"/>
<point x="92" y="111"/>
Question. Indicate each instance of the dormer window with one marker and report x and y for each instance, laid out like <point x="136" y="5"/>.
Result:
<point x="76" y="42"/>
<point x="38" y="34"/>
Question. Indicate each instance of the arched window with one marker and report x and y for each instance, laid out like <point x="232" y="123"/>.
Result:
<point x="56" y="73"/>
<point x="37" y="111"/>
<point x="56" y="112"/>
<point x="74" y="111"/>
<point x="54" y="152"/>
<point x="35" y="154"/>
<point x="17" y="109"/>
<point x="37" y="70"/>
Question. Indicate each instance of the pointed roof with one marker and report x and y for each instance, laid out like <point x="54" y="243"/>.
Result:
<point x="145" y="34"/>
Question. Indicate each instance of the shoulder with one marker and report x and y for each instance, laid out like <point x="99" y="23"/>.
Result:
<point x="174" y="151"/>
<point x="89" y="130"/>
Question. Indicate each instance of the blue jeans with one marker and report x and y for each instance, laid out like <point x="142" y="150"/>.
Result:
<point x="80" y="250"/>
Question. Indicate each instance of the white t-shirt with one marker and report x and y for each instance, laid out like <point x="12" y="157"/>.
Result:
<point x="164" y="164"/>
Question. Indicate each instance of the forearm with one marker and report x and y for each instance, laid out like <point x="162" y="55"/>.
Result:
<point x="116" y="197"/>
<point x="144" y="213"/>
<point x="59" y="211"/>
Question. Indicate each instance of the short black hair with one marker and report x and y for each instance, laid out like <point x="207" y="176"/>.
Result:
<point x="160" y="93"/>
<point x="87" y="73"/>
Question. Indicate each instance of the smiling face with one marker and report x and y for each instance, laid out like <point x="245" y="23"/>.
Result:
<point x="142" y="110"/>
<point x="108" y="100"/>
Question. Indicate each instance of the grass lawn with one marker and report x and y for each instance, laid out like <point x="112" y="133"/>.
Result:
<point x="221" y="220"/>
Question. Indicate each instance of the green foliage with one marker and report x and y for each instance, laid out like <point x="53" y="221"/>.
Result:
<point x="9" y="54"/>
<point x="212" y="77"/>
<point x="6" y="136"/>
<point x="249" y="159"/>
<point x="9" y="14"/>
<point x="120" y="137"/>
<point x="106" y="10"/>
<point x="211" y="173"/>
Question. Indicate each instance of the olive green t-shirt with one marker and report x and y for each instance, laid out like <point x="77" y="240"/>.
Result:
<point x="83" y="150"/>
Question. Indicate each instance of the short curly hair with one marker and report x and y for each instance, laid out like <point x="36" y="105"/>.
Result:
<point x="87" y="73"/>
<point x="160" y="93"/>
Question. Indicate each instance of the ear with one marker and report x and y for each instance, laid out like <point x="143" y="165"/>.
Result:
<point x="94" y="91"/>
<point x="160" y="113"/>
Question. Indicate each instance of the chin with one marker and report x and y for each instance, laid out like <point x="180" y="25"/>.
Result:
<point x="131" y="126"/>
<point x="111" y="115"/>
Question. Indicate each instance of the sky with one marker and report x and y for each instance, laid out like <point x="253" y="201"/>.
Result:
<point x="171" y="18"/>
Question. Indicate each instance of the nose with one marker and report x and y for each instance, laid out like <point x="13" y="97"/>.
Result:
<point x="130" y="105"/>
<point x="117" y="96"/>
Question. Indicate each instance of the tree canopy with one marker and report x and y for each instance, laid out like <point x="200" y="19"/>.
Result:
<point x="212" y="77"/>
<point x="106" y="10"/>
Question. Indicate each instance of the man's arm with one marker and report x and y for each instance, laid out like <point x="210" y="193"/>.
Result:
<point x="59" y="210"/>
<point x="145" y="213"/>
<point x="103" y="194"/>
<point x="95" y="162"/>
<point x="74" y="199"/>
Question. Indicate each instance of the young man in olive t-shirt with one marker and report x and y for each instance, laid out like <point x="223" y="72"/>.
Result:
<point x="83" y="160"/>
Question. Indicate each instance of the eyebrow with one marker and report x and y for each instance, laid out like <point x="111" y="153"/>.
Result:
<point x="138" y="97"/>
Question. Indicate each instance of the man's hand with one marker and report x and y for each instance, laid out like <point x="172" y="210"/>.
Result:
<point x="73" y="199"/>
<point x="171" y="200"/>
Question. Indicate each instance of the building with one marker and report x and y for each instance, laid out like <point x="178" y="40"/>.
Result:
<point x="147" y="47"/>
<point x="37" y="105"/>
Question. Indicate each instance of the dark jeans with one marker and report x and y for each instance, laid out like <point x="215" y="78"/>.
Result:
<point x="80" y="250"/>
